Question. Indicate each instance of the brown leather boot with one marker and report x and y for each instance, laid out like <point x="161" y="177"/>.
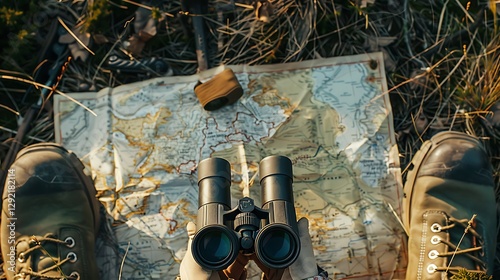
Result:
<point x="50" y="217"/>
<point x="449" y="208"/>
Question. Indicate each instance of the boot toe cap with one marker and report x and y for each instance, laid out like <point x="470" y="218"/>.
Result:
<point x="458" y="159"/>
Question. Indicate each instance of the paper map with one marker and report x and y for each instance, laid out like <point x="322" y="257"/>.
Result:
<point x="331" y="117"/>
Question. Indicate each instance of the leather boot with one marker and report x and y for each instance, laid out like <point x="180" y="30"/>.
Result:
<point x="449" y="208"/>
<point x="50" y="217"/>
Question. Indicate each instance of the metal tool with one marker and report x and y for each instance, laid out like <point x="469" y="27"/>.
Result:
<point x="197" y="9"/>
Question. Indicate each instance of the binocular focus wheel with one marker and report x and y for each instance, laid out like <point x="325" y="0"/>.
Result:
<point x="215" y="247"/>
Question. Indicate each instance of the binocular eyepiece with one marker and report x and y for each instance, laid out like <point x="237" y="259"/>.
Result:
<point x="271" y="232"/>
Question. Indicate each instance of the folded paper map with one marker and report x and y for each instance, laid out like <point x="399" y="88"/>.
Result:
<point x="331" y="117"/>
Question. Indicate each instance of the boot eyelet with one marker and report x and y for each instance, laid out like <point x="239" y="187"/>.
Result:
<point x="75" y="275"/>
<point x="431" y="268"/>
<point x="72" y="257"/>
<point x="433" y="254"/>
<point x="21" y="257"/>
<point x="436" y="227"/>
<point x="435" y="239"/>
<point x="70" y="242"/>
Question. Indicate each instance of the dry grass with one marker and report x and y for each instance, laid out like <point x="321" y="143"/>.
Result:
<point x="441" y="57"/>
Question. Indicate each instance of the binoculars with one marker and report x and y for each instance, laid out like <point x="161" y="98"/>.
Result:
<point x="271" y="232"/>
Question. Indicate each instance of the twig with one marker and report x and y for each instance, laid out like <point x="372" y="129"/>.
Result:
<point x="74" y="36"/>
<point x="7" y="77"/>
<point x="123" y="262"/>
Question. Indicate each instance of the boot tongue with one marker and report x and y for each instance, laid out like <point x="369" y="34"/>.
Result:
<point x="461" y="260"/>
<point x="463" y="241"/>
<point x="47" y="257"/>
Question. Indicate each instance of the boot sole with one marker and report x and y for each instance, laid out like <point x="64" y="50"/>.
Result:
<point x="78" y="166"/>
<point x="419" y="157"/>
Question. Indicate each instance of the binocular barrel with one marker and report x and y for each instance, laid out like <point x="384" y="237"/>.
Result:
<point x="214" y="182"/>
<point x="217" y="242"/>
<point x="279" y="243"/>
<point x="214" y="246"/>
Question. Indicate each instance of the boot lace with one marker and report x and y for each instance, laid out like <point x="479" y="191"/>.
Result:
<point x="472" y="253"/>
<point x="36" y="243"/>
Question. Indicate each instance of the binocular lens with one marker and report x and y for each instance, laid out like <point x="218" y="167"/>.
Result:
<point x="276" y="245"/>
<point x="214" y="247"/>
